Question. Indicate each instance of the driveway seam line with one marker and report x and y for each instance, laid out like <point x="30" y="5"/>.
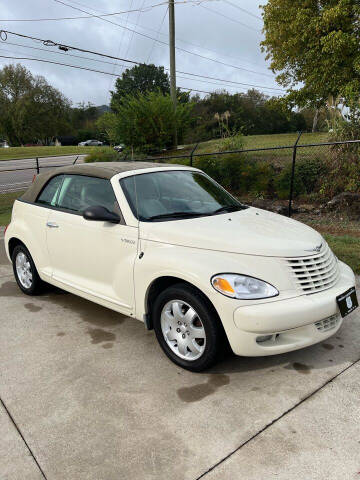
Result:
<point x="276" y="420"/>
<point x="23" y="438"/>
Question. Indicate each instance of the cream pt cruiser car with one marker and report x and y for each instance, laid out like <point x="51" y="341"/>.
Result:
<point x="169" y="246"/>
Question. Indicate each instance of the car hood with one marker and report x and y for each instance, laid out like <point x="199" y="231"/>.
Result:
<point x="251" y="231"/>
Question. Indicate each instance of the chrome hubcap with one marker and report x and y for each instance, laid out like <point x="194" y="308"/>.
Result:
<point x="183" y="330"/>
<point x="23" y="270"/>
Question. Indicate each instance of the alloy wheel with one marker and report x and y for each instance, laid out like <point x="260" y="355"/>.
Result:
<point x="23" y="270"/>
<point x="183" y="330"/>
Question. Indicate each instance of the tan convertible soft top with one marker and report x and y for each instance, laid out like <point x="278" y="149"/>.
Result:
<point x="101" y="170"/>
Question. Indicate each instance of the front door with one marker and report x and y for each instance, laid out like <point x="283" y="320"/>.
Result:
<point x="91" y="256"/>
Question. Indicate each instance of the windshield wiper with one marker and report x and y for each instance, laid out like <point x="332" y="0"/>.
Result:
<point x="229" y="208"/>
<point x="177" y="215"/>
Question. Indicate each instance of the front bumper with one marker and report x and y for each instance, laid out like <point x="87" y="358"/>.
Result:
<point x="291" y="322"/>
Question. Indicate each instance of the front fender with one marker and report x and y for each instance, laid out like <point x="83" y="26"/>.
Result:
<point x="197" y="266"/>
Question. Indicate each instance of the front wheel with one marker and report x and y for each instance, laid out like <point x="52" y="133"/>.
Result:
<point x="186" y="327"/>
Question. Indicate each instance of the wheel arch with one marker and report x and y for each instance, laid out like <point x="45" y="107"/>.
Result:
<point x="14" y="242"/>
<point x="160" y="284"/>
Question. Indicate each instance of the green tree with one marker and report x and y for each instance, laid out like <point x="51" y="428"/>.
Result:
<point x="147" y="122"/>
<point x="106" y="125"/>
<point x="140" y="79"/>
<point x="250" y="113"/>
<point x="314" y="45"/>
<point x="31" y="110"/>
<point x="84" y="116"/>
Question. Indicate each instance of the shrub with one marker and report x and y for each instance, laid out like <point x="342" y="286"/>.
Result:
<point x="344" y="160"/>
<point x="146" y="123"/>
<point x="307" y="179"/>
<point x="233" y="142"/>
<point x="310" y="172"/>
<point x="238" y="174"/>
<point x="103" y="155"/>
<point x="282" y="183"/>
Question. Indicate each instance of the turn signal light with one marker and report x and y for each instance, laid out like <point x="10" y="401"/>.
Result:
<point x="223" y="286"/>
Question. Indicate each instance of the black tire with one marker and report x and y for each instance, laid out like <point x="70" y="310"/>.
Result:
<point x="37" y="285"/>
<point x="209" y="320"/>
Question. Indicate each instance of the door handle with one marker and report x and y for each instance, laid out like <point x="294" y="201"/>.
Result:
<point x="52" y="225"/>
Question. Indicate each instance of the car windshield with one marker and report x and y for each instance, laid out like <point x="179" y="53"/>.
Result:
<point x="176" y="194"/>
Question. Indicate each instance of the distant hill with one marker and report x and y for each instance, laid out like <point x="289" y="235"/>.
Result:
<point x="103" y="109"/>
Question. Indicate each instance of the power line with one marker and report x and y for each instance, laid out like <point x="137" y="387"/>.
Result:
<point x="164" y="43"/>
<point x="87" y="69"/>
<point x="140" y="10"/>
<point x="132" y="35"/>
<point x="157" y="34"/>
<point x="63" y="53"/>
<point x="225" y="82"/>
<point x="118" y="53"/>
<point x="69" y="47"/>
<point x="231" y="81"/>
<point x="62" y="46"/>
<point x="78" y="67"/>
<point x="231" y="19"/>
<point x="242" y="9"/>
<point x="178" y="39"/>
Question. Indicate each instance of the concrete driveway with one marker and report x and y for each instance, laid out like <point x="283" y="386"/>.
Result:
<point x="86" y="394"/>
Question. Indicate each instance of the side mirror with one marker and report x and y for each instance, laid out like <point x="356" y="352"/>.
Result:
<point x="100" y="214"/>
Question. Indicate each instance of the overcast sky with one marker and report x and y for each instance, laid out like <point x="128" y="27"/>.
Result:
<point x="215" y="29"/>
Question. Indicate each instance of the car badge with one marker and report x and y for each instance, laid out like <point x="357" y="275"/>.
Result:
<point x="349" y="303"/>
<point x="316" y="249"/>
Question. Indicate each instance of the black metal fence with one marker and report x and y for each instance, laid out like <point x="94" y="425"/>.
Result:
<point x="16" y="175"/>
<point x="279" y="156"/>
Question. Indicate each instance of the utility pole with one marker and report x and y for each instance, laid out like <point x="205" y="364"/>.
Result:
<point x="172" y="59"/>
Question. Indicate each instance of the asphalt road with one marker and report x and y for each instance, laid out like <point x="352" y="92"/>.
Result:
<point x="17" y="175"/>
<point x="87" y="394"/>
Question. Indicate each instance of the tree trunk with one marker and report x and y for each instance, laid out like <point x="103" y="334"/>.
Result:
<point x="315" y="121"/>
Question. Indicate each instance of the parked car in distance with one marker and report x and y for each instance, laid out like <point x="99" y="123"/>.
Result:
<point x="4" y="144"/>
<point x="167" y="245"/>
<point x="90" y="143"/>
<point x="119" y="148"/>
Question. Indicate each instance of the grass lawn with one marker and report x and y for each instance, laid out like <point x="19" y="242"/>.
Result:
<point x="276" y="157"/>
<point x="256" y="141"/>
<point x="346" y="248"/>
<point x="266" y="141"/>
<point x="342" y="235"/>
<point x="30" y="152"/>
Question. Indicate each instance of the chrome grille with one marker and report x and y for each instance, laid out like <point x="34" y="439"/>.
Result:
<point x="328" y="323"/>
<point x="316" y="272"/>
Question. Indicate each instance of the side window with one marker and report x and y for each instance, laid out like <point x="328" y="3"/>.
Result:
<point x="79" y="192"/>
<point x="49" y="194"/>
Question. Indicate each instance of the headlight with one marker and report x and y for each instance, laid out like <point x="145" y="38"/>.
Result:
<point x="242" y="286"/>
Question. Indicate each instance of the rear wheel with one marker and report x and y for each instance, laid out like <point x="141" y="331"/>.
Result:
<point x="186" y="327"/>
<point x="25" y="271"/>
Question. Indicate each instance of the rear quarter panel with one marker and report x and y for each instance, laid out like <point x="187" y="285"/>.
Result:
<point x="28" y="224"/>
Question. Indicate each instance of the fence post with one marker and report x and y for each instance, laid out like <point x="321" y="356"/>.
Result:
<point x="75" y="160"/>
<point x="192" y="154"/>
<point x="293" y="174"/>
<point x="37" y="165"/>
